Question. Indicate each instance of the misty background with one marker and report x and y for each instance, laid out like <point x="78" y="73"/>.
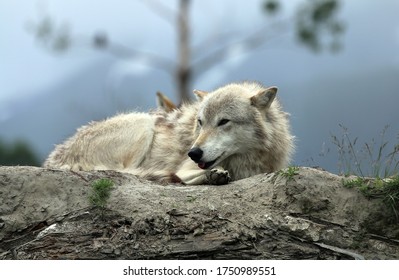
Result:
<point x="47" y="91"/>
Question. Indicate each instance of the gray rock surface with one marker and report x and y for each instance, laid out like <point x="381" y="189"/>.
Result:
<point x="46" y="214"/>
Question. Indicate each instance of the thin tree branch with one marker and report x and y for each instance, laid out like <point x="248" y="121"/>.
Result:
<point x="213" y="39"/>
<point x="151" y="59"/>
<point x="249" y="43"/>
<point x="102" y="43"/>
<point x="161" y="10"/>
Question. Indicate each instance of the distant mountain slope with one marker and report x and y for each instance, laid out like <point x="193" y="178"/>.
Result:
<point x="54" y="114"/>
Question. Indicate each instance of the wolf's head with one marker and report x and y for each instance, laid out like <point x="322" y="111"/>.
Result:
<point x="231" y="120"/>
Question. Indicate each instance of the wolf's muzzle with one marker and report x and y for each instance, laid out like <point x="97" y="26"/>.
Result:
<point x="196" y="154"/>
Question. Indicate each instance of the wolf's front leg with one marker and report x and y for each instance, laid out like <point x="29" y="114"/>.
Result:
<point x="192" y="177"/>
<point x="190" y="174"/>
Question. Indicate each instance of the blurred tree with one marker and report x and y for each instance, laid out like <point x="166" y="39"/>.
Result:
<point x="17" y="153"/>
<point x="314" y="22"/>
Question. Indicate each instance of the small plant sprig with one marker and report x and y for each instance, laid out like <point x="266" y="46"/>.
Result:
<point x="289" y="172"/>
<point x="100" y="193"/>
<point x="347" y="155"/>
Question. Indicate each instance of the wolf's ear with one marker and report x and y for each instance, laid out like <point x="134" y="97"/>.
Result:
<point x="165" y="103"/>
<point x="200" y="94"/>
<point x="264" y="98"/>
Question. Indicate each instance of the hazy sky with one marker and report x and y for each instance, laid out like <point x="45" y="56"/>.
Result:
<point x="126" y="21"/>
<point x="26" y="67"/>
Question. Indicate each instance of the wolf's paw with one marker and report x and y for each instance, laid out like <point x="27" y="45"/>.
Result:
<point x="218" y="176"/>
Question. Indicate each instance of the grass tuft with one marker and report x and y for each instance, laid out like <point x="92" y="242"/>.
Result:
<point x="100" y="193"/>
<point x="373" y="159"/>
<point x="376" y="167"/>
<point x="387" y="189"/>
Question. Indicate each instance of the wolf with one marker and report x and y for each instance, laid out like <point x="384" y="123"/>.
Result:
<point x="236" y="131"/>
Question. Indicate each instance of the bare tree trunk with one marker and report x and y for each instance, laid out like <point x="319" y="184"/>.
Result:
<point x="183" y="71"/>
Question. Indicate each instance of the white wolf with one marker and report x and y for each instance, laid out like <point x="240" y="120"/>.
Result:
<point x="234" y="132"/>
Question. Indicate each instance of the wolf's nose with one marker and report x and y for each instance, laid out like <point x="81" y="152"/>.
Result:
<point x="195" y="154"/>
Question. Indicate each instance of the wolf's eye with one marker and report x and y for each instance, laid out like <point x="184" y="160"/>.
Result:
<point x="223" y="122"/>
<point x="199" y="122"/>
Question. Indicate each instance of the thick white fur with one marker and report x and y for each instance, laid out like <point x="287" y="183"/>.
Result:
<point x="256" y="139"/>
